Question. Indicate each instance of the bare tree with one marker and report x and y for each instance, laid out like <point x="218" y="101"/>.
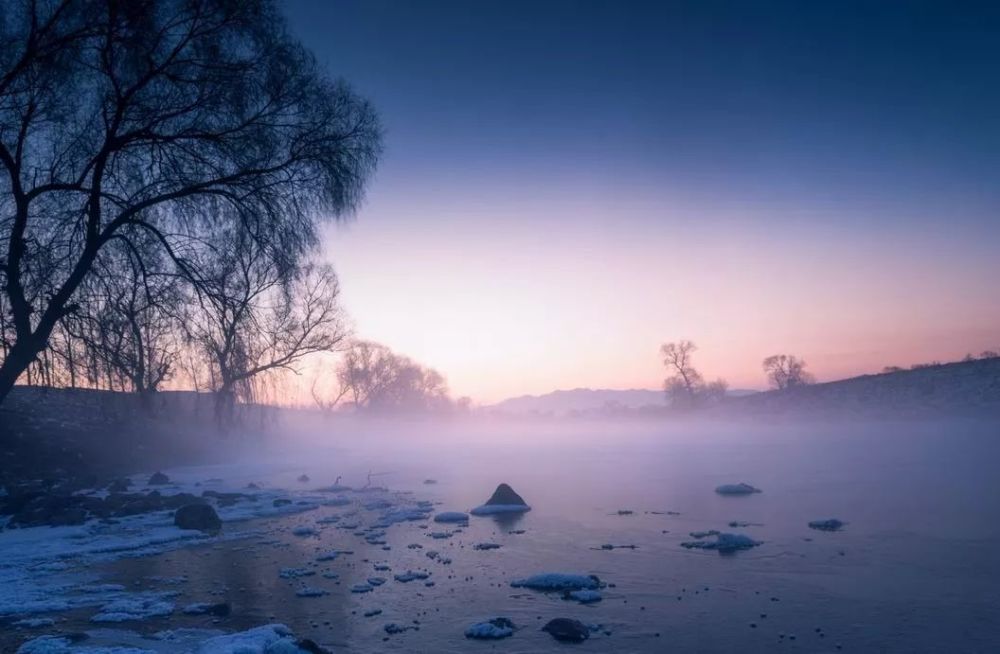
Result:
<point x="686" y="388"/>
<point x="379" y="380"/>
<point x="259" y="316"/>
<point x="786" y="371"/>
<point x="162" y="118"/>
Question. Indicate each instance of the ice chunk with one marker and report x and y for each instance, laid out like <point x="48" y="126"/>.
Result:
<point x="558" y="581"/>
<point x="304" y="530"/>
<point x="584" y="596"/>
<point x="409" y="575"/>
<point x="736" y="489"/>
<point x="269" y="639"/>
<point x="724" y="543"/>
<point x="137" y="606"/>
<point x="830" y="524"/>
<point x="491" y="630"/>
<point x="451" y="516"/>
<point x="309" y="591"/>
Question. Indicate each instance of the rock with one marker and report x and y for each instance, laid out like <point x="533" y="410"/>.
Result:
<point x="503" y="500"/>
<point x="504" y="494"/>
<point x="567" y="630"/>
<point x="197" y="516"/>
<point x="55" y="511"/>
<point x="310" y="646"/>
<point x="158" y="479"/>
<point x="119" y="486"/>
<point x="831" y="524"/>
<point x="736" y="489"/>
<point x="491" y="629"/>
<point x="205" y="608"/>
<point x="304" y="479"/>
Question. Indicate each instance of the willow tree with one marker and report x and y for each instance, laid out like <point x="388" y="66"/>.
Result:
<point x="169" y="119"/>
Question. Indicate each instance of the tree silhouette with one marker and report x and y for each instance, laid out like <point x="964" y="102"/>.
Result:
<point x="161" y="119"/>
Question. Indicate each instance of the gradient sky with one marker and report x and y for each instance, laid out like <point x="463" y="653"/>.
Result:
<point x="566" y="185"/>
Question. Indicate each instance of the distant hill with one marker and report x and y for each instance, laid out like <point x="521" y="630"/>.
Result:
<point x="964" y="387"/>
<point x="585" y="400"/>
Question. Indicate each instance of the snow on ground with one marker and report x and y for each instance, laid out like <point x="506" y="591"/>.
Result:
<point x="45" y="570"/>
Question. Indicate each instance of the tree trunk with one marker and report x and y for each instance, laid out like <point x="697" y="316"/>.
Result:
<point x="19" y="358"/>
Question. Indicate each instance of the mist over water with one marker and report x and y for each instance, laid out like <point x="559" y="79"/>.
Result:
<point x="913" y="570"/>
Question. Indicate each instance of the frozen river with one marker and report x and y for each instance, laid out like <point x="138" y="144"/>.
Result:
<point x="914" y="569"/>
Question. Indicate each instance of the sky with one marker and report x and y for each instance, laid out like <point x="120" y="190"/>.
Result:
<point x="567" y="185"/>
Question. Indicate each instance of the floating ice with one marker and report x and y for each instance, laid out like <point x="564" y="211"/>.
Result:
<point x="724" y="543"/>
<point x="328" y="556"/>
<point x="831" y="524"/>
<point x="451" y="516"/>
<point x="309" y="591"/>
<point x="736" y="489"/>
<point x="304" y="530"/>
<point x="558" y="581"/>
<point x="139" y="606"/>
<point x="409" y="576"/>
<point x="491" y="630"/>
<point x="584" y="596"/>
<point x="361" y="588"/>
<point x="295" y="573"/>
<point x="269" y="639"/>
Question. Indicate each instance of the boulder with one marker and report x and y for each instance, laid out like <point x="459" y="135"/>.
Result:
<point x="567" y="630"/>
<point x="119" y="486"/>
<point x="197" y="516"/>
<point x="504" y="494"/>
<point x="503" y="500"/>
<point x="158" y="479"/>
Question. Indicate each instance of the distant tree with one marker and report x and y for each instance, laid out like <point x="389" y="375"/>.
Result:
<point x="889" y="369"/>
<point x="375" y="379"/>
<point x="164" y="119"/>
<point x="685" y="387"/>
<point x="786" y="371"/>
<point x="258" y="316"/>
<point x="989" y="354"/>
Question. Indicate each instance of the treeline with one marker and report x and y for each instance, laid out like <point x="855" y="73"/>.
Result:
<point x="164" y="167"/>
<point x="686" y="388"/>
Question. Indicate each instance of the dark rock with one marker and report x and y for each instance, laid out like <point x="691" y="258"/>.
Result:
<point x="224" y="499"/>
<point x="220" y="610"/>
<point x="304" y="478"/>
<point x="197" y="516"/>
<point x="53" y="510"/>
<point x="831" y="524"/>
<point x="158" y="479"/>
<point x="252" y="486"/>
<point x="119" y="486"/>
<point x="504" y="494"/>
<point x="310" y="646"/>
<point x="567" y="630"/>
